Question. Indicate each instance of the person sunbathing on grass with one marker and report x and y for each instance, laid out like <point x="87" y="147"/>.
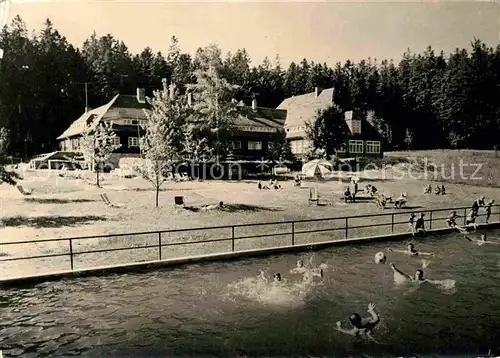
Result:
<point x="362" y="327"/>
<point x="220" y="205"/>
<point x="483" y="240"/>
<point x="411" y="251"/>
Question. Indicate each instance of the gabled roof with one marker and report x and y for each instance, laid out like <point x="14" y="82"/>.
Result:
<point x="95" y="115"/>
<point x="303" y="108"/>
<point x="261" y="117"/>
<point x="121" y="106"/>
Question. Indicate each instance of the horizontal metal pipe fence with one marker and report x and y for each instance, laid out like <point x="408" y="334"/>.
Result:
<point x="292" y="232"/>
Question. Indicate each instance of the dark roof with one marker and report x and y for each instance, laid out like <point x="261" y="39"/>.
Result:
<point x="128" y="101"/>
<point x="261" y="117"/>
<point x="121" y="106"/>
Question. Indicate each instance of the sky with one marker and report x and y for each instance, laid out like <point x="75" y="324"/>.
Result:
<point x="322" y="31"/>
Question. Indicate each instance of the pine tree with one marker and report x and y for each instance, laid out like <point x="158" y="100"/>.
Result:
<point x="162" y="144"/>
<point x="6" y="176"/>
<point x="97" y="143"/>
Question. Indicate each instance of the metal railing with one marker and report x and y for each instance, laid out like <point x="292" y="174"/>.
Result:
<point x="289" y="236"/>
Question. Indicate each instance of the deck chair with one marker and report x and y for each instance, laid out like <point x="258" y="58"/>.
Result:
<point x="313" y="196"/>
<point x="24" y="191"/>
<point x="179" y="201"/>
<point x="108" y="202"/>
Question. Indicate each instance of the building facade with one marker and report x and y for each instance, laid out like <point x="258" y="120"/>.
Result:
<point x="254" y="128"/>
<point x="364" y="139"/>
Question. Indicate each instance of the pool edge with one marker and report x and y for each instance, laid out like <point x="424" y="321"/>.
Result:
<point x="149" y="265"/>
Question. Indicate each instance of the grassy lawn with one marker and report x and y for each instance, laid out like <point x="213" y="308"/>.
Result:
<point x="61" y="207"/>
<point x="480" y="168"/>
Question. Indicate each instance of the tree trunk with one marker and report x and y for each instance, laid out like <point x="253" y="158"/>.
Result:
<point x="96" y="169"/>
<point x="157" y="190"/>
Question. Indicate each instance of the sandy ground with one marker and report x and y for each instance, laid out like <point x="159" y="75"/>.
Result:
<point x="64" y="207"/>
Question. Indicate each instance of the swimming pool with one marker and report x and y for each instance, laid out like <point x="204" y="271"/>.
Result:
<point x="222" y="309"/>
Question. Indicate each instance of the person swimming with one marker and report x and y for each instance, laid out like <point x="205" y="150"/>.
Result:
<point x="300" y="268"/>
<point x="277" y="277"/>
<point x="419" y="274"/>
<point x="483" y="240"/>
<point x="411" y="251"/>
<point x="361" y="327"/>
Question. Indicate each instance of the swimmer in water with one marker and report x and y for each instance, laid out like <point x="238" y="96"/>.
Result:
<point x="411" y="251"/>
<point x="418" y="278"/>
<point x="299" y="268"/>
<point x="419" y="274"/>
<point x="277" y="277"/>
<point x="362" y="327"/>
<point x="483" y="240"/>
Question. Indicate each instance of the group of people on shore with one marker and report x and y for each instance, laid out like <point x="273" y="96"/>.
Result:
<point x="472" y="215"/>
<point x="418" y="225"/>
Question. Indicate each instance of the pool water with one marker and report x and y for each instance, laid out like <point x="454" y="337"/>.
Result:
<point x="225" y="309"/>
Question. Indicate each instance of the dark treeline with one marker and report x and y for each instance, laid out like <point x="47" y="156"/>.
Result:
<point x="426" y="101"/>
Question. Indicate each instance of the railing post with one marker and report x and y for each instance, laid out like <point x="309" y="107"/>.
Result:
<point x="346" y="227"/>
<point x="71" y="253"/>
<point x="159" y="245"/>
<point x="465" y="216"/>
<point x="293" y="233"/>
<point x="430" y="220"/>
<point x="232" y="238"/>
<point x="392" y="223"/>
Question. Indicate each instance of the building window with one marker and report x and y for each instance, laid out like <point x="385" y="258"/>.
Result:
<point x="254" y="145"/>
<point x="236" y="144"/>
<point x="133" y="142"/>
<point x="116" y="140"/>
<point x="372" y="147"/>
<point x="356" y="126"/>
<point x="356" y="146"/>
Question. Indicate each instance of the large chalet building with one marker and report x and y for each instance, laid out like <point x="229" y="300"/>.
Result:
<point x="254" y="128"/>
<point x="364" y="140"/>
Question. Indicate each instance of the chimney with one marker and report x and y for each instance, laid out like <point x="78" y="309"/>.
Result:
<point x="254" y="104"/>
<point x="317" y="91"/>
<point x="141" y="95"/>
<point x="190" y="99"/>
